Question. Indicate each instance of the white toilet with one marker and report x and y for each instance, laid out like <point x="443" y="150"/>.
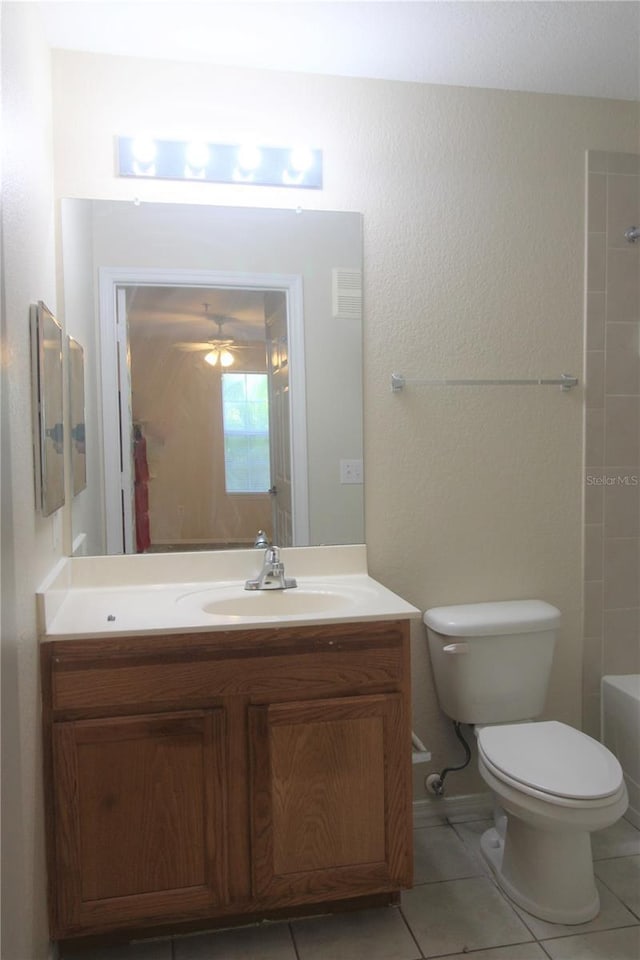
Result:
<point x="491" y="665"/>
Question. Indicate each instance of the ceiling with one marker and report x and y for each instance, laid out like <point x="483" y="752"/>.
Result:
<point x="581" y="48"/>
<point x="191" y="313"/>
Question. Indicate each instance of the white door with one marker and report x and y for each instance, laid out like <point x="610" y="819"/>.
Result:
<point x="279" y="419"/>
<point x="125" y="426"/>
<point x="116" y="422"/>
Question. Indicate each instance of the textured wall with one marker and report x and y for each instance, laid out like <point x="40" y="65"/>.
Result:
<point x="30" y="544"/>
<point x="612" y="449"/>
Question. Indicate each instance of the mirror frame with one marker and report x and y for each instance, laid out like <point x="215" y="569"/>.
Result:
<point x="47" y="405"/>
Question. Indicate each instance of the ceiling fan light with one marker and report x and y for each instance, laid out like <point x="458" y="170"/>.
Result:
<point x="219" y="355"/>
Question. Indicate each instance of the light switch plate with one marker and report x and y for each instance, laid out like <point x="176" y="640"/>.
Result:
<point x="351" y="471"/>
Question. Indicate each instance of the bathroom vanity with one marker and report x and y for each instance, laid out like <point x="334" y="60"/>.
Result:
<point x="240" y="769"/>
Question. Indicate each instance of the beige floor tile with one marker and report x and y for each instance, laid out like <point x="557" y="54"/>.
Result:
<point x="266" y="941"/>
<point x="517" y="951"/>
<point x="606" y="945"/>
<point x="622" y="875"/>
<point x="147" y="950"/>
<point x="439" y="854"/>
<point x="620" y="840"/>
<point x="460" y="915"/>
<point x="477" y="807"/>
<point x="612" y="914"/>
<point x="364" y="935"/>
<point x="470" y="833"/>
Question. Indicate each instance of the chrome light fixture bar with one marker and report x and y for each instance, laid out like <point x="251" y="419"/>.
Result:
<point x="149" y="158"/>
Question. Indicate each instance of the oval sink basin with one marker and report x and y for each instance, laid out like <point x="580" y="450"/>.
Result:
<point x="305" y="600"/>
<point x="276" y="603"/>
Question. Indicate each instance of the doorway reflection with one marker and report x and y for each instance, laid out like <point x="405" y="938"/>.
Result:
<point x="205" y="418"/>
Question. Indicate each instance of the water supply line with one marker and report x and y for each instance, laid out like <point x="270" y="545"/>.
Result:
<point x="434" y="783"/>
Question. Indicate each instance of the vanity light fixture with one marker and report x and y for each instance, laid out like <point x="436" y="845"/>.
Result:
<point x="196" y="158"/>
<point x="147" y="157"/>
<point x="143" y="155"/>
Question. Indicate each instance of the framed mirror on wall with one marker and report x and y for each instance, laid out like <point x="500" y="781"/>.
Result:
<point x="48" y="429"/>
<point x="155" y="292"/>
<point x="77" y="417"/>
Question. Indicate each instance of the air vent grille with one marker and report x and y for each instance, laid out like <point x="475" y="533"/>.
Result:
<point x="347" y="294"/>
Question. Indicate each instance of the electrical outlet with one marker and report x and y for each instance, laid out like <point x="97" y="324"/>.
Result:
<point x="351" y="471"/>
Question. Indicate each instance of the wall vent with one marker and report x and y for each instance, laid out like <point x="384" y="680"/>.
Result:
<point x="347" y="294"/>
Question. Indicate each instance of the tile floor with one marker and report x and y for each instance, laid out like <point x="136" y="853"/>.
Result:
<point x="454" y="910"/>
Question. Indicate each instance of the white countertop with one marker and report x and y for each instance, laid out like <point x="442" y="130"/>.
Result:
<point x="95" y="597"/>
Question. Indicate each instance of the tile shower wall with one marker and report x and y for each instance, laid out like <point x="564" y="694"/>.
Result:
<point x="612" y="447"/>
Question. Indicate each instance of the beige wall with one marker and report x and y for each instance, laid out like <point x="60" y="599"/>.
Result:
<point x="30" y="544"/>
<point x="612" y="451"/>
<point x="473" y="214"/>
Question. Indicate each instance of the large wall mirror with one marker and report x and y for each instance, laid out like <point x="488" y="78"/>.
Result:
<point x="223" y="374"/>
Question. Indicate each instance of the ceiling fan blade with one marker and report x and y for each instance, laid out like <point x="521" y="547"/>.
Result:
<point x="188" y="345"/>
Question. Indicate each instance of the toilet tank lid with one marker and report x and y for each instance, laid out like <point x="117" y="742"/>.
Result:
<point x="490" y="619"/>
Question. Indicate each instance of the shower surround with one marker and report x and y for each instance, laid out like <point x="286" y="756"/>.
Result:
<point x="612" y="425"/>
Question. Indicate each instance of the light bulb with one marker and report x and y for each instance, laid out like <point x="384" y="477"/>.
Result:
<point x="301" y="159"/>
<point x="143" y="150"/>
<point x="249" y="158"/>
<point x="197" y="155"/>
<point x="226" y="358"/>
<point x="211" y="358"/>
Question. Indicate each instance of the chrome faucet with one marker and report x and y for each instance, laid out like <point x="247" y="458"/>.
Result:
<point x="271" y="577"/>
<point x="262" y="540"/>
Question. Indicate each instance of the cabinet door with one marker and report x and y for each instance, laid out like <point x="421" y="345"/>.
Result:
<point x="330" y="799"/>
<point x="139" y="819"/>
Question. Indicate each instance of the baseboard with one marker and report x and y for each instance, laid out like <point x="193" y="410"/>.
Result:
<point x="441" y="810"/>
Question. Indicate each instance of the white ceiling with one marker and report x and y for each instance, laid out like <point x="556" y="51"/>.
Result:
<point x="584" y="48"/>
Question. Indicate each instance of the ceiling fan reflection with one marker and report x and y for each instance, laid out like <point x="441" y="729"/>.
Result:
<point x="219" y="350"/>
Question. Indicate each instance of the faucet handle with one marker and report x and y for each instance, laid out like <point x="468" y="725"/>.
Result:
<point x="272" y="554"/>
<point x="262" y="540"/>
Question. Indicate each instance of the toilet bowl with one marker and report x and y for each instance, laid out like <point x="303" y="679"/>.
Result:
<point x="553" y="784"/>
<point x="556" y="785"/>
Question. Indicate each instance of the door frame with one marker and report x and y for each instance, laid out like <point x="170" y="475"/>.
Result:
<point x="116" y="385"/>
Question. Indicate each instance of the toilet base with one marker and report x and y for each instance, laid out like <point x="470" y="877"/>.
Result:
<point x="548" y="874"/>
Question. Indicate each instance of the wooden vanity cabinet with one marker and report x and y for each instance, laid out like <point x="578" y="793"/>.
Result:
<point x="325" y="799"/>
<point x="139" y="807"/>
<point x="228" y="774"/>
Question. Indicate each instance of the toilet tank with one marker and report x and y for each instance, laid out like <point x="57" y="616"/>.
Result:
<point x="491" y="661"/>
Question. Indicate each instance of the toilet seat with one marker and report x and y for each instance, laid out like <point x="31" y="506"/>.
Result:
<point x="550" y="760"/>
